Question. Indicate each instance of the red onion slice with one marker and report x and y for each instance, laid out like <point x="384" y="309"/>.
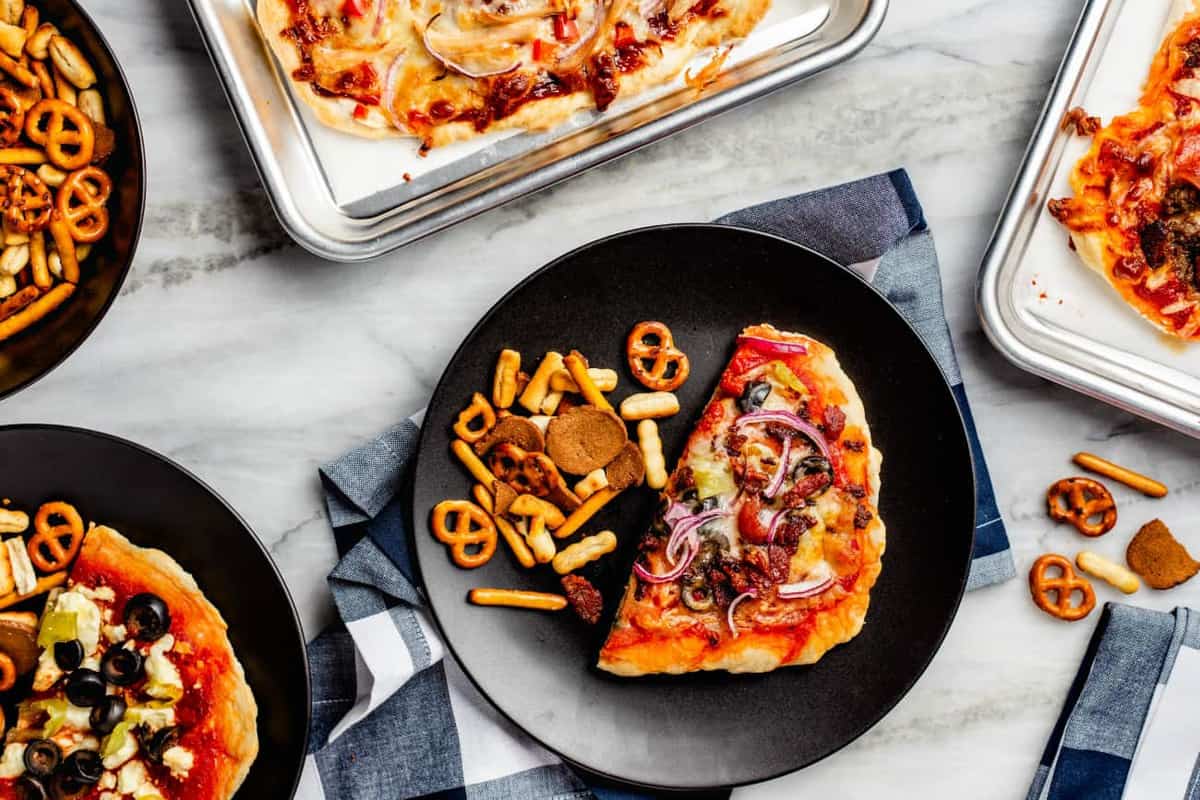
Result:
<point x="774" y="347"/>
<point x="792" y="421"/>
<point x="387" y="100"/>
<point x="672" y="575"/>
<point x="438" y="49"/>
<point x="817" y="582"/>
<point x="572" y="57"/>
<point x="773" y="526"/>
<point x="380" y="16"/>
<point x="684" y="529"/>
<point x="733" y="606"/>
<point x="781" y="472"/>
<point x="675" y="512"/>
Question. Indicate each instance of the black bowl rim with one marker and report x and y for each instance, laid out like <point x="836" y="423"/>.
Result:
<point x="287" y="593"/>
<point x="138" y="153"/>
<point x="418" y="524"/>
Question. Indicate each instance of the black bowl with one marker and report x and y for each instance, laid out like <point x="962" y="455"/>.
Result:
<point x="156" y="503"/>
<point x="32" y="354"/>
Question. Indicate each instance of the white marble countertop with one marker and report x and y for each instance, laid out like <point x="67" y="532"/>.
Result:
<point x="251" y="363"/>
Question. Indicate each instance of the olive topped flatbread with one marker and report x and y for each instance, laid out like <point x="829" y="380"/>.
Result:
<point x="136" y="691"/>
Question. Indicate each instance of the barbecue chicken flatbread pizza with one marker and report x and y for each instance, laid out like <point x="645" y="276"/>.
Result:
<point x="769" y="537"/>
<point x="1135" y="214"/>
<point x="136" y="692"/>
<point x="444" y="70"/>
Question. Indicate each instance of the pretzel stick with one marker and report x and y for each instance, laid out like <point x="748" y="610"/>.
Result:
<point x="18" y="301"/>
<point x="37" y="260"/>
<point x="577" y="366"/>
<point x="36" y="310"/>
<point x="516" y="598"/>
<point x="44" y="584"/>
<point x="66" y="247"/>
<point x="1147" y="486"/>
<point x="22" y="155"/>
<point x="43" y="76"/>
<point x="471" y="461"/>
<point x="585" y="512"/>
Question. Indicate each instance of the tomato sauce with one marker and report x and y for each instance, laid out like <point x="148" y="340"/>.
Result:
<point x="196" y="661"/>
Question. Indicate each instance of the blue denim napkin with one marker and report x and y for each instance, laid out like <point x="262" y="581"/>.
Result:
<point x="1129" y="727"/>
<point x="394" y="718"/>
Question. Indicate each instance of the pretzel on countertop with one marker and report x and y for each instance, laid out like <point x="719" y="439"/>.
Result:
<point x="654" y="359"/>
<point x="1134" y="480"/>
<point x="471" y="538"/>
<point x="1084" y="503"/>
<point x="1063" y="587"/>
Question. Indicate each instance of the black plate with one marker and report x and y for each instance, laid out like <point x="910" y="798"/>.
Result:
<point x="715" y="729"/>
<point x="156" y="503"/>
<point x="32" y="354"/>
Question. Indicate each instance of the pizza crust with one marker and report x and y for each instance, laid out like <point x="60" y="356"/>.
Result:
<point x="679" y="648"/>
<point x="232" y="719"/>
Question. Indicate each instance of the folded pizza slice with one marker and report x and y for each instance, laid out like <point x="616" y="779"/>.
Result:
<point x="768" y="539"/>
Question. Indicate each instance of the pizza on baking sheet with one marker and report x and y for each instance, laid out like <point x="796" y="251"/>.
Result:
<point x="1134" y="217"/>
<point x="445" y="70"/>
<point x="769" y="539"/>
<point x="136" y="692"/>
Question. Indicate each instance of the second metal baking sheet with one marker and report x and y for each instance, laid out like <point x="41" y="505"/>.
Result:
<point x="1039" y="304"/>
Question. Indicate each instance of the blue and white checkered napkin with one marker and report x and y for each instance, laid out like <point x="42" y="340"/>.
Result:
<point x="1131" y="724"/>
<point x="394" y="718"/>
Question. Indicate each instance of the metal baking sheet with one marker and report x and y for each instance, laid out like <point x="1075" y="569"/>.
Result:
<point x="1040" y="306"/>
<point x="351" y="199"/>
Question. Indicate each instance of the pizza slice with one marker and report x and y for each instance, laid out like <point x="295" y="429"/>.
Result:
<point x="1134" y="216"/>
<point x="136" y="693"/>
<point x="768" y="539"/>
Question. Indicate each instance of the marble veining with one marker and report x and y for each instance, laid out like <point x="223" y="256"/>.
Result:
<point x="252" y="362"/>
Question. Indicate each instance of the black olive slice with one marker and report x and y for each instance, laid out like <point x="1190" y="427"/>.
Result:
<point x="85" y="688"/>
<point x="30" y="788"/>
<point x="84" y="766"/>
<point x="122" y="667"/>
<point x="68" y="655"/>
<point x="754" y="394"/>
<point x="161" y="741"/>
<point x="147" y="617"/>
<point x="42" y="757"/>
<point x="65" y="787"/>
<point x="107" y="713"/>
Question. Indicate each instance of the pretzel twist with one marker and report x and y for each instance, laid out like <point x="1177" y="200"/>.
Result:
<point x="471" y="536"/>
<point x="64" y="131"/>
<point x="12" y="117"/>
<point x="81" y="202"/>
<point x="654" y="359"/>
<point x="26" y="199"/>
<point x="1062" y="587"/>
<point x="1084" y="503"/>
<point x="54" y="545"/>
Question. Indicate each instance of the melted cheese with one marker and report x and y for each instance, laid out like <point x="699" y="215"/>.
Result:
<point x="87" y="617"/>
<point x="12" y="763"/>
<point x="179" y="760"/>
<point x="165" y="681"/>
